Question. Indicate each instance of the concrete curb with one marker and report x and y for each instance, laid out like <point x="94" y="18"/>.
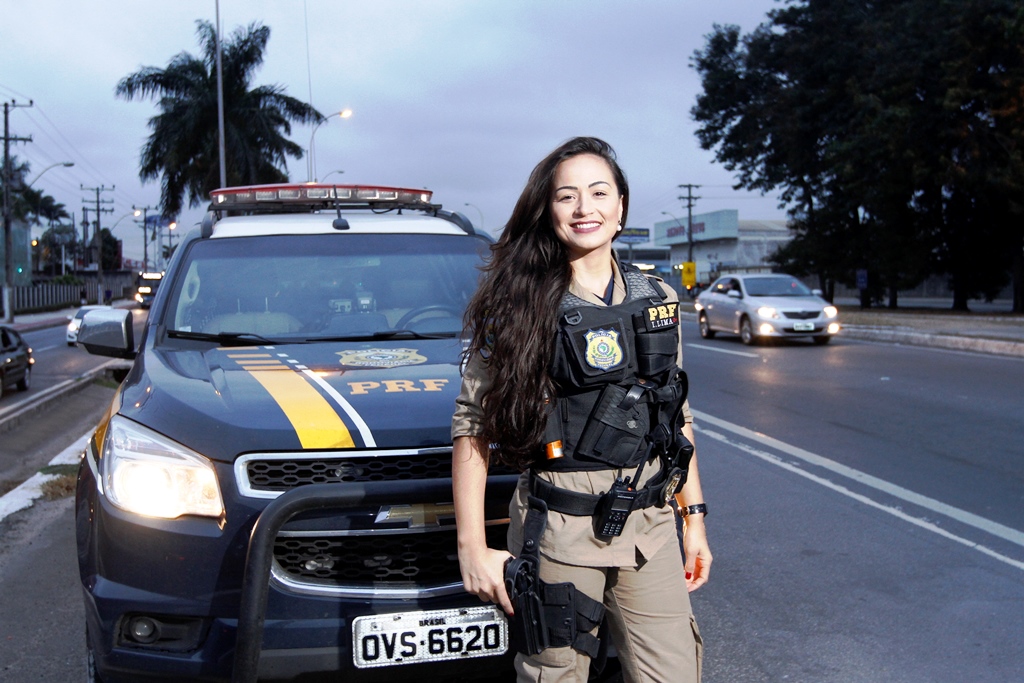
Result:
<point x="29" y="491"/>
<point x="42" y="401"/>
<point x="897" y="335"/>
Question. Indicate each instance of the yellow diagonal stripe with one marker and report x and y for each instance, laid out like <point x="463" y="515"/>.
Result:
<point x="316" y="423"/>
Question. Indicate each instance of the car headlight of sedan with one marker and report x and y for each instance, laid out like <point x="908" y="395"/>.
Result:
<point x="149" y="474"/>
<point x="767" y="312"/>
<point x="830" y="311"/>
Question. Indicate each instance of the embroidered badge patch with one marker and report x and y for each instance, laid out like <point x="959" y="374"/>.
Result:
<point x="660" y="317"/>
<point x="603" y="350"/>
<point x="381" y="358"/>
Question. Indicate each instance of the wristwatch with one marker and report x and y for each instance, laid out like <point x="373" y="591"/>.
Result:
<point x="699" y="508"/>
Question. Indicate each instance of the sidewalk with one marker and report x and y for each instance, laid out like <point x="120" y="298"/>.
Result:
<point x="27" y="322"/>
<point x="996" y="333"/>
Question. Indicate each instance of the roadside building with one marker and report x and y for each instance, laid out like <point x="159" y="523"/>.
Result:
<point x="722" y="243"/>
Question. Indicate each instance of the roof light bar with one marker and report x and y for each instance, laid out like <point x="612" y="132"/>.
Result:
<point x="315" y="195"/>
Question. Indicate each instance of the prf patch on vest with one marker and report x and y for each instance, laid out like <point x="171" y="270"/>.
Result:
<point x="603" y="349"/>
<point x="661" y="316"/>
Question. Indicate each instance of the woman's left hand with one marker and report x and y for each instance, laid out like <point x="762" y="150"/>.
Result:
<point x="698" y="553"/>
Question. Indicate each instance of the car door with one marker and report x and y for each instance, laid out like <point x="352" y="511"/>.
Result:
<point x="728" y="305"/>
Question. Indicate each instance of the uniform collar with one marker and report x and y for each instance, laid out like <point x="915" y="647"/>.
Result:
<point x="618" y="296"/>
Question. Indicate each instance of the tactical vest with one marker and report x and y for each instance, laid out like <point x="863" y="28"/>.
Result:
<point x="619" y="391"/>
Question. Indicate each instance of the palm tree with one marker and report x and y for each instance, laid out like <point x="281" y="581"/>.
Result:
<point x="183" y="145"/>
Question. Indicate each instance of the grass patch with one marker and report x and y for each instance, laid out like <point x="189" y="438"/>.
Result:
<point x="60" y="469"/>
<point x="61" y="487"/>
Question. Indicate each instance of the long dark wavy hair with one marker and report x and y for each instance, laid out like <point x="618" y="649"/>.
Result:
<point x="513" y="315"/>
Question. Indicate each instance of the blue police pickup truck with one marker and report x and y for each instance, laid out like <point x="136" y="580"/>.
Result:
<point x="269" y="495"/>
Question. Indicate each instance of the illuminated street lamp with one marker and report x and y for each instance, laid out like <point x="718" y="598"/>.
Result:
<point x="311" y="174"/>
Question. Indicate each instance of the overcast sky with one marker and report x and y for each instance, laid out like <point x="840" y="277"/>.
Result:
<point x="460" y="96"/>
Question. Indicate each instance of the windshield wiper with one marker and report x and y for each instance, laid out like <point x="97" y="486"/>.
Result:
<point x="384" y="334"/>
<point x="232" y="338"/>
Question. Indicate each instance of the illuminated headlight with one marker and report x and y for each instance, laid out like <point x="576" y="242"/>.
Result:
<point x="833" y="328"/>
<point x="148" y="474"/>
<point x="830" y="311"/>
<point x="766" y="328"/>
<point x="767" y="312"/>
<point x="74" y="325"/>
<point x="138" y="297"/>
<point x="697" y="306"/>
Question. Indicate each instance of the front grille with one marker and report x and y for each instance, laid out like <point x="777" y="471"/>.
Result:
<point x="376" y="561"/>
<point x="276" y="474"/>
<point x="801" y="315"/>
<point x="282" y="475"/>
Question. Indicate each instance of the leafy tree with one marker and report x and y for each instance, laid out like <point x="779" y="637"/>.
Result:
<point x="182" y="149"/>
<point x="891" y="128"/>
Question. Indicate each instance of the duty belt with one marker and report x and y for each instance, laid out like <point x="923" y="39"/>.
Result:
<point x="658" y="491"/>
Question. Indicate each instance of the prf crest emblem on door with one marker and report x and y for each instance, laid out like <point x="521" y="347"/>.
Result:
<point x="603" y="350"/>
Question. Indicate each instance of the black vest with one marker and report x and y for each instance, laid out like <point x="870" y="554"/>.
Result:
<point x="619" y="391"/>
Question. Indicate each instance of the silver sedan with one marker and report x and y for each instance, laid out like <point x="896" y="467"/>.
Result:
<point x="757" y="306"/>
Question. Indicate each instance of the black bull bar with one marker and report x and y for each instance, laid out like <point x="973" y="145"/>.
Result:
<point x="260" y="554"/>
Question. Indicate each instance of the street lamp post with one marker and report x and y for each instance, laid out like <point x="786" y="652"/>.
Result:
<point x="479" y="212"/>
<point x="330" y="174"/>
<point x="344" y="114"/>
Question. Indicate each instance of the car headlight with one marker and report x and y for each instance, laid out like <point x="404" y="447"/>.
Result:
<point x="74" y="325"/>
<point x="149" y="474"/>
<point x="830" y="311"/>
<point x="767" y="312"/>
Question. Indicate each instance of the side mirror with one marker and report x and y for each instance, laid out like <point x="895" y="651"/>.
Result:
<point x="733" y="294"/>
<point x="108" y="332"/>
<point x="816" y="292"/>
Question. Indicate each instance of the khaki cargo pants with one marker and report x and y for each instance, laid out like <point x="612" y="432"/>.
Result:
<point x="649" y="616"/>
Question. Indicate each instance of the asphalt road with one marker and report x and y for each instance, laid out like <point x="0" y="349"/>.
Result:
<point x="866" y="518"/>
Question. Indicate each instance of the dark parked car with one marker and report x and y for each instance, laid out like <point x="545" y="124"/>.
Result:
<point x="15" y="361"/>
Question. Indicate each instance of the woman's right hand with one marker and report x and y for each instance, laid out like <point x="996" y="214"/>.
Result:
<point x="483" y="575"/>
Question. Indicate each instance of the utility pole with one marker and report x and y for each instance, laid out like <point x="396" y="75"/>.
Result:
<point x="97" y="237"/>
<point x="145" y="235"/>
<point x="690" y="201"/>
<point x="8" y="293"/>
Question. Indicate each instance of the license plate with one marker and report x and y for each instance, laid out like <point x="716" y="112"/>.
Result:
<point x="409" y="637"/>
<point x="803" y="327"/>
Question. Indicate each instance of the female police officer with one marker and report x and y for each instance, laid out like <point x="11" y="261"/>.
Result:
<point x="572" y="375"/>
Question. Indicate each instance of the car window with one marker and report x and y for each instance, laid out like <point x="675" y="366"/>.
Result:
<point x="776" y="286"/>
<point x="5" y="341"/>
<point x="720" y="287"/>
<point x="313" y="286"/>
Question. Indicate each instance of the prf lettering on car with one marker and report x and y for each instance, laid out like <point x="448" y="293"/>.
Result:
<point x="278" y="459"/>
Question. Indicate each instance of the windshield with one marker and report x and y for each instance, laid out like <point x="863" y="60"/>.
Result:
<point x="775" y="286"/>
<point x="309" y="287"/>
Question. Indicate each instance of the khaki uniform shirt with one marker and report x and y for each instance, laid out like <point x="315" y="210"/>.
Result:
<point x="570" y="538"/>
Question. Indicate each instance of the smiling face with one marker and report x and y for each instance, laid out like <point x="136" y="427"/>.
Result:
<point x="586" y="206"/>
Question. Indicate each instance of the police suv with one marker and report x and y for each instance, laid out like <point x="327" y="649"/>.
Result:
<point x="269" y="495"/>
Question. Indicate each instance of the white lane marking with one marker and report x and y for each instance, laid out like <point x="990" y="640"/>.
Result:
<point x="1006" y="533"/>
<point x="896" y="512"/>
<point x="715" y="348"/>
<point x="45" y="348"/>
<point x="24" y="495"/>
